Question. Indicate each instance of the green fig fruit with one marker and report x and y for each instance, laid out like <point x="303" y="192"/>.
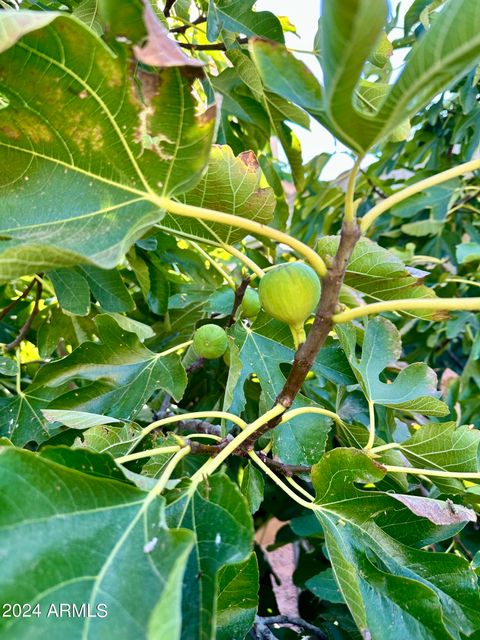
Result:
<point x="250" y="305"/>
<point x="382" y="51"/>
<point x="210" y="341"/>
<point x="290" y="293"/>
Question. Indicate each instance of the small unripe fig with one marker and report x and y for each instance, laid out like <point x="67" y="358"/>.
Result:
<point x="382" y="51"/>
<point x="250" y="304"/>
<point x="210" y="341"/>
<point x="290" y="293"/>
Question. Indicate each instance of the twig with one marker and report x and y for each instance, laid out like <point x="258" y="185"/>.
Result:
<point x="288" y="470"/>
<point x="167" y="8"/>
<point x="262" y="632"/>
<point x="465" y="550"/>
<point x="186" y="26"/>
<point x="297" y="622"/>
<point x="26" y="327"/>
<point x="306" y="354"/>
<point x="375" y="189"/>
<point x="199" y="426"/>
<point x="195" y="366"/>
<point x="217" y="46"/>
<point x="12" y="304"/>
<point x="239" y="293"/>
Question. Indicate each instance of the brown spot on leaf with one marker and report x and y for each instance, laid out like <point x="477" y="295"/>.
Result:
<point x="207" y="116"/>
<point x="10" y="132"/>
<point x="249" y="159"/>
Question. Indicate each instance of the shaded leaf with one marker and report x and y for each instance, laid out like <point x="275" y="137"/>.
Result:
<point x="253" y="486"/>
<point x="389" y="587"/>
<point x="72" y="290"/>
<point x="237" y="599"/>
<point x="218" y="515"/>
<point x="299" y="441"/>
<point x="240" y="18"/>
<point x="74" y="537"/>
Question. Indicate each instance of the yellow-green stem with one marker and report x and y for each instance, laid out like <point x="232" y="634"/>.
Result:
<point x="403" y="194"/>
<point x="293" y="413"/>
<point x="182" y="345"/>
<point x="223" y="415"/>
<point x="147" y="453"/>
<point x="190" y="211"/>
<point x="209" y="436"/>
<point x="280" y="482"/>
<point x="463" y="281"/>
<point x="298" y="334"/>
<point x="300" y="489"/>
<point x="248" y="262"/>
<point x="438" y="473"/>
<point x="371" y="430"/>
<point x="385" y="447"/>
<point x="228" y="279"/>
<point x="350" y="193"/>
<point x="169" y="469"/>
<point x="438" y="304"/>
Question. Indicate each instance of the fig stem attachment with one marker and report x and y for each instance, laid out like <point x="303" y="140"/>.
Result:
<point x="298" y="334"/>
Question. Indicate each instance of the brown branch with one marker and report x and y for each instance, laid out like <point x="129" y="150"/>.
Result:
<point x="199" y="426"/>
<point x="239" y="293"/>
<point x="26" y="327"/>
<point x="322" y="325"/>
<point x="167" y="8"/>
<point x="216" y="46"/>
<point x="6" y="310"/>
<point x="195" y="366"/>
<point x="288" y="470"/>
<point x="262" y="632"/>
<point x="184" y="27"/>
<point x="297" y="622"/>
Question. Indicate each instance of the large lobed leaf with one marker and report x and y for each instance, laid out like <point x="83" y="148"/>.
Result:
<point x="87" y="146"/>
<point x="231" y="184"/>
<point x="379" y="274"/>
<point x="219" y="515"/>
<point x="414" y="388"/>
<point x="301" y="440"/>
<point x="119" y="374"/>
<point x="348" y="32"/>
<point x="76" y="538"/>
<point x="391" y="589"/>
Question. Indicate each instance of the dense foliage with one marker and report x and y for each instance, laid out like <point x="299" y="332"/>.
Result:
<point x="151" y="180"/>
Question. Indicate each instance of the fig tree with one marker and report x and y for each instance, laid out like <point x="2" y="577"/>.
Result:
<point x="290" y="292"/>
<point x="210" y="341"/>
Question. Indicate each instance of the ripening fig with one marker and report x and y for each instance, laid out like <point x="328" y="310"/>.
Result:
<point x="290" y="292"/>
<point x="210" y="341"/>
<point x="250" y="305"/>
